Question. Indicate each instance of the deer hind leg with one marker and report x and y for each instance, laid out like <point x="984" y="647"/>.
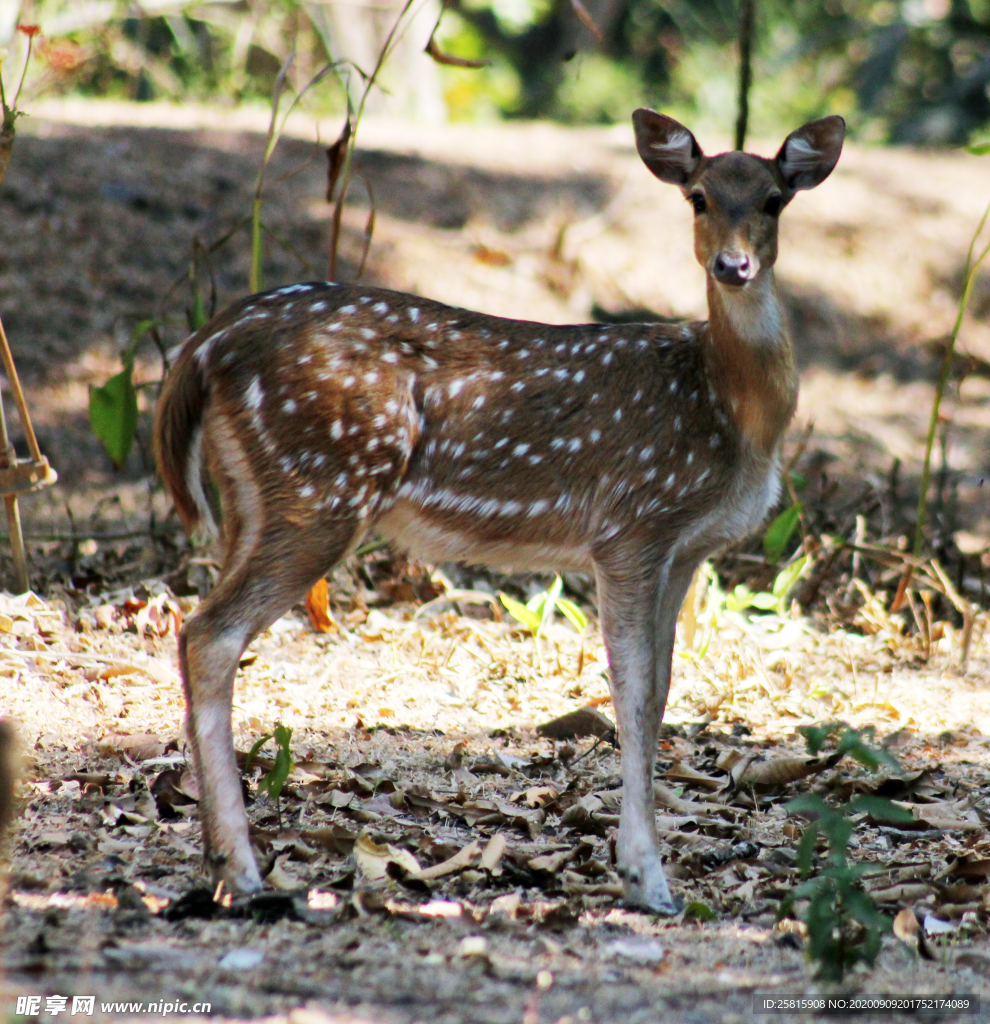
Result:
<point x="639" y="614"/>
<point x="257" y="586"/>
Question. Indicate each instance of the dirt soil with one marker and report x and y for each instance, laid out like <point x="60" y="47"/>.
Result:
<point x="432" y="857"/>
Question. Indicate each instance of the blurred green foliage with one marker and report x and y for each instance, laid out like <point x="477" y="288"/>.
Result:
<point x="907" y="71"/>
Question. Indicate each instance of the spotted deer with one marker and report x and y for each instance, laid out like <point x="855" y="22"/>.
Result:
<point x="323" y="411"/>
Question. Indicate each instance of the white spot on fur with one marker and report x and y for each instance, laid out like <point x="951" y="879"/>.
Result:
<point x="255" y="395"/>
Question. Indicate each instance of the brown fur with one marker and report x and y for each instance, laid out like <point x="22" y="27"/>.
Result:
<point x="178" y="414"/>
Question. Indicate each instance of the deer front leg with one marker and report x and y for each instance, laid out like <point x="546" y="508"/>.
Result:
<point x="638" y="616"/>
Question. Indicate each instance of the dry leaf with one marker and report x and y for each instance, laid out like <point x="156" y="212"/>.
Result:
<point x="550" y="862"/>
<point x="460" y="860"/>
<point x="679" y="772"/>
<point x="335" y="838"/>
<point x="586" y="721"/>
<point x="492" y="853"/>
<point x="137" y="746"/>
<point x="779" y="771"/>
<point x="318" y="606"/>
<point x="508" y="905"/>
<point x="942" y="815"/>
<point x="440" y="908"/>
<point x="280" y="877"/>
<point x="373" y="859"/>
<point x="490" y="257"/>
<point x="455" y="758"/>
<point x="728" y="759"/>
<point x="336" y="152"/>
<point x="907" y="892"/>
<point x="906" y="927"/>
<point x="535" y="796"/>
<point x="966" y="868"/>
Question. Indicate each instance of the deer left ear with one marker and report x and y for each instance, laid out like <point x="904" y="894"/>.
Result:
<point x="809" y="154"/>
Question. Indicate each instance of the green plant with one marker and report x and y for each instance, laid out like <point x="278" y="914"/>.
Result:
<point x="780" y="531"/>
<point x="844" y="925"/>
<point x="113" y="406"/>
<point x="274" y="779"/>
<point x="9" y="112"/>
<point x="539" y="610"/>
<point x="774" y="600"/>
<point x="969" y="277"/>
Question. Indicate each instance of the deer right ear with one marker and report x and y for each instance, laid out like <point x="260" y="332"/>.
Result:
<point x="666" y="146"/>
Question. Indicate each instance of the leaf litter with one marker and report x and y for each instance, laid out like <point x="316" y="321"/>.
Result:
<point x="443" y="846"/>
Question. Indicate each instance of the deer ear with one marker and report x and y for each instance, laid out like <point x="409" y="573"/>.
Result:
<point x="666" y="146"/>
<point x="808" y="155"/>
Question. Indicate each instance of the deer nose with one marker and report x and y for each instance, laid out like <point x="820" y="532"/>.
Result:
<point x="732" y="267"/>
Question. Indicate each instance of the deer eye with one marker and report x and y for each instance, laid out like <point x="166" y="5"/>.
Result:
<point x="773" y="206"/>
<point x="697" y="200"/>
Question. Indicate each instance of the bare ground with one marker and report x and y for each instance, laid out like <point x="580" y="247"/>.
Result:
<point x="418" y="732"/>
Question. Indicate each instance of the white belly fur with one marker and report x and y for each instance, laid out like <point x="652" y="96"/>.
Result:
<point x="417" y="532"/>
<point x="744" y="509"/>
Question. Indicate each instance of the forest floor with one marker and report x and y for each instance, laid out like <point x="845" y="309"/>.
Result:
<point x="434" y="858"/>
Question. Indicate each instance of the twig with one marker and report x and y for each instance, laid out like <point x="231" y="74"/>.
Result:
<point x="747" y="11"/>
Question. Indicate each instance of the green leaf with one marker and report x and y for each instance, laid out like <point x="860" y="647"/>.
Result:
<point x="519" y="611"/>
<point x="740" y="598"/>
<point x="787" y="577"/>
<point x="113" y="414"/>
<point x="698" y="911"/>
<point x="806" y="848"/>
<point x="815" y="735"/>
<point x="780" y="531"/>
<point x="550" y="603"/>
<point x="197" y="312"/>
<point x="274" y="780"/>
<point x="881" y="809"/>
<point x="255" y="747"/>
<point x="764" y="601"/>
<point x="980" y="149"/>
<point x="571" y="611"/>
<point x="141" y="328"/>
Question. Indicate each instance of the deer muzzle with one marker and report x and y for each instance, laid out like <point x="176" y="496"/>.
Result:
<point x="734" y="267"/>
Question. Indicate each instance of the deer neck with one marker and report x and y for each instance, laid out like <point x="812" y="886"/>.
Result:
<point x="750" y="359"/>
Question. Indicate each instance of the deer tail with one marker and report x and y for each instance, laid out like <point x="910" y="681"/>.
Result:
<point x="179" y="444"/>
